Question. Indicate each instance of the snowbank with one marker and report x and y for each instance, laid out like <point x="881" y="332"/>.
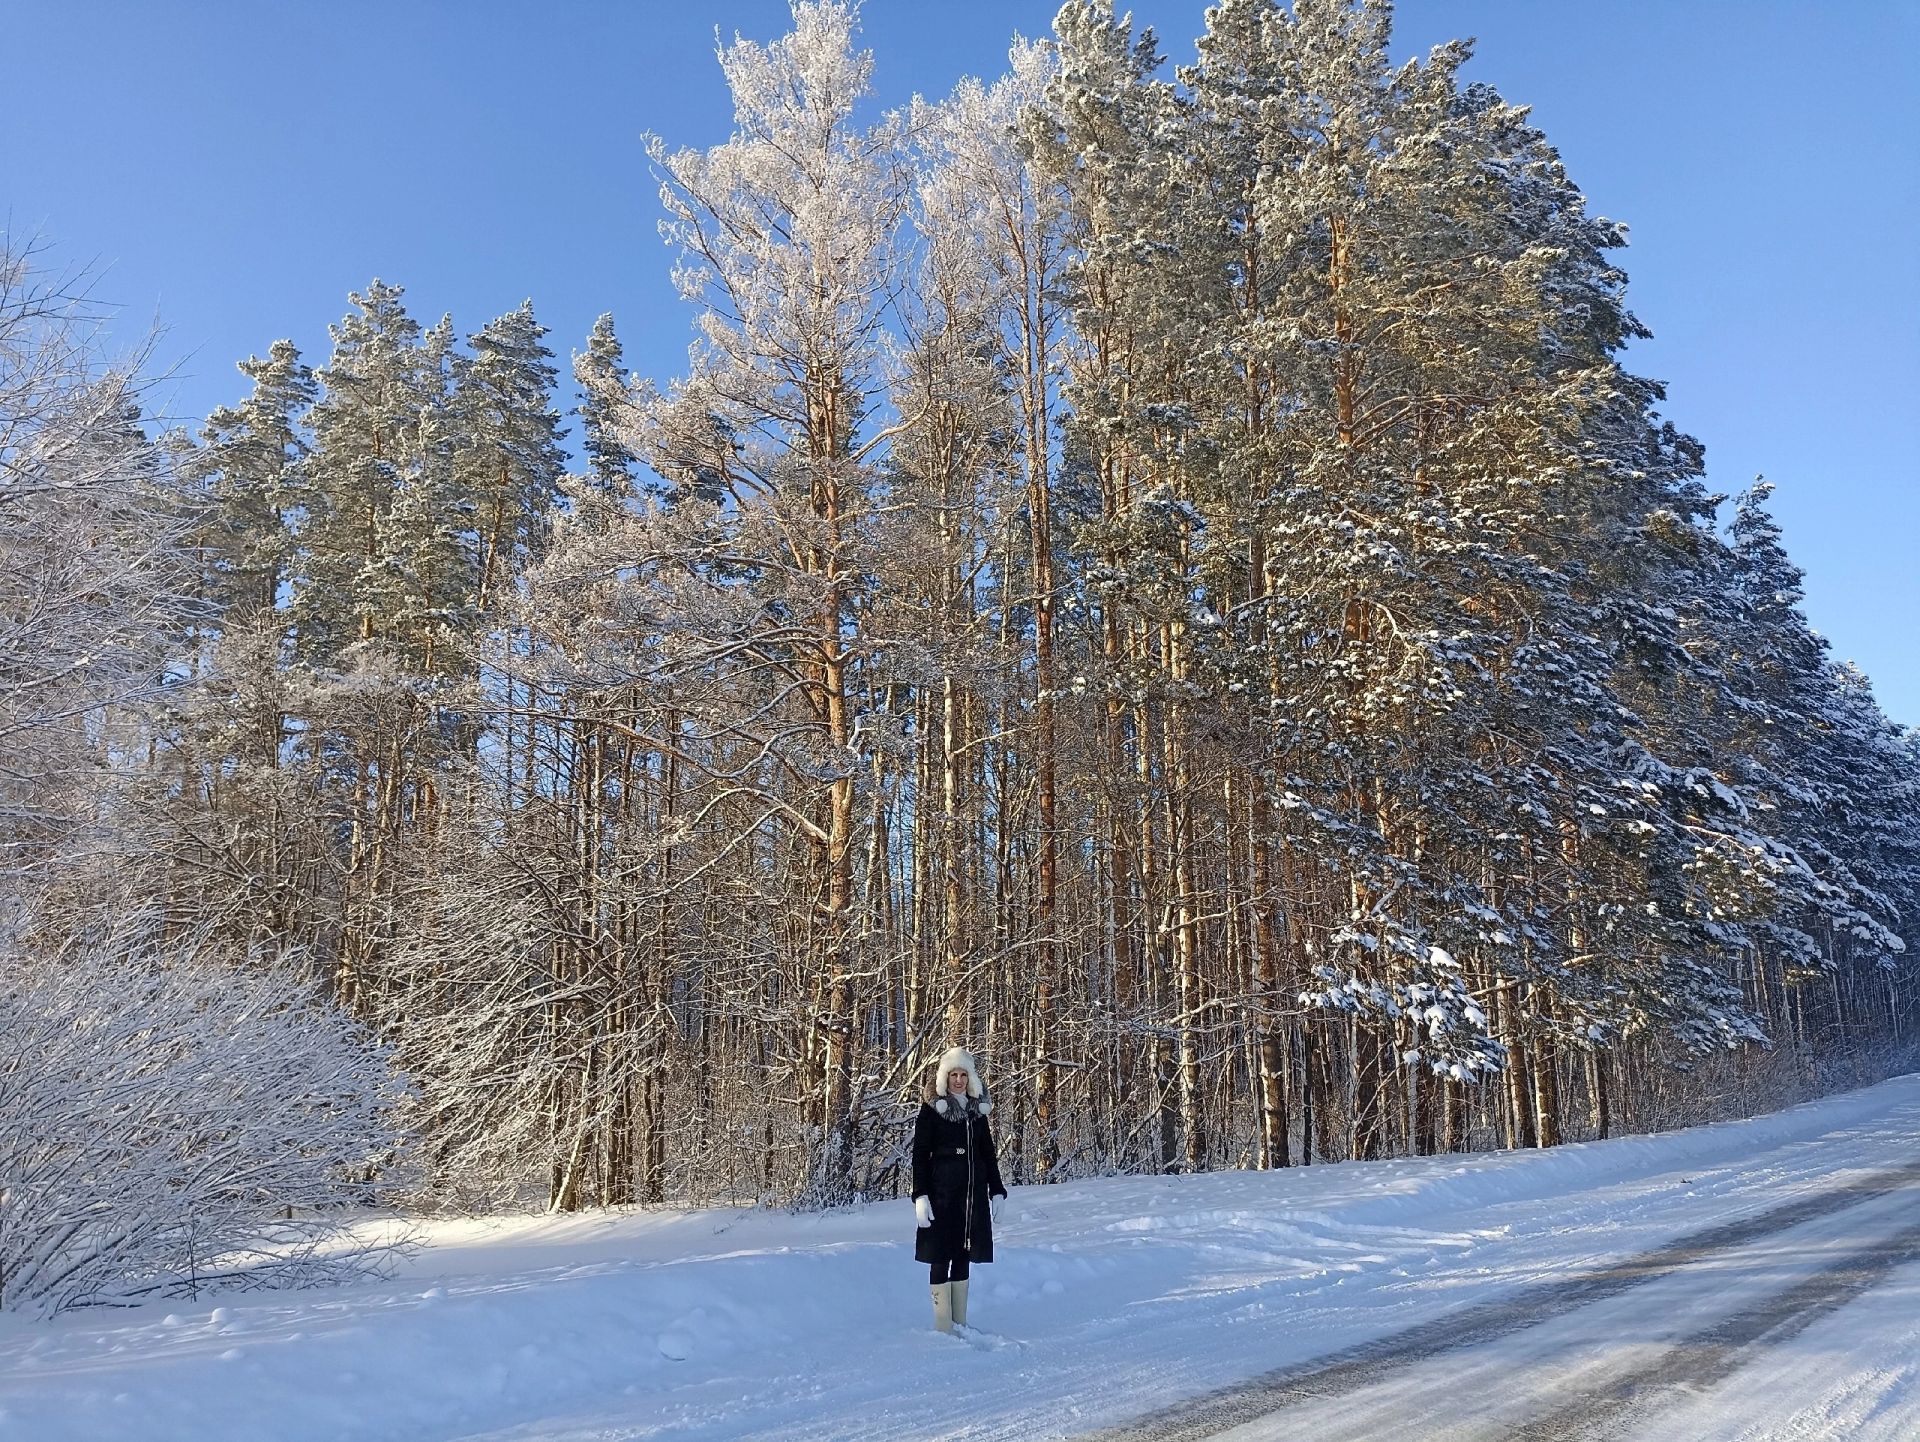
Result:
<point x="1109" y="1297"/>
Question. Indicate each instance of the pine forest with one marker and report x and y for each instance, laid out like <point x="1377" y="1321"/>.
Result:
<point x="1160" y="575"/>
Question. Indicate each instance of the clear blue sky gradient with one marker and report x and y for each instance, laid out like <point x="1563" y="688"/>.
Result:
<point x="232" y="168"/>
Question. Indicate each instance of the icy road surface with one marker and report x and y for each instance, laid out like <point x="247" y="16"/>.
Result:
<point x="1578" y="1359"/>
<point x="1754" y="1280"/>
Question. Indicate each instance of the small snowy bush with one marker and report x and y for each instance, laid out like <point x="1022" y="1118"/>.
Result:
<point x="169" y="1123"/>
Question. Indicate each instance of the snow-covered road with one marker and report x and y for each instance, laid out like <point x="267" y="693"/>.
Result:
<point x="1618" y="1289"/>
<point x="1602" y="1353"/>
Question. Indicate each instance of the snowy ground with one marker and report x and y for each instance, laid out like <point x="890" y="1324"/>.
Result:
<point x="1510" y="1295"/>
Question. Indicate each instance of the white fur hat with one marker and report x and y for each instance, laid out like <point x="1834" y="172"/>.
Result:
<point x="957" y="1059"/>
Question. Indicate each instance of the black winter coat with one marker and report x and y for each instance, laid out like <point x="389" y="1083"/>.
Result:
<point x="955" y="1167"/>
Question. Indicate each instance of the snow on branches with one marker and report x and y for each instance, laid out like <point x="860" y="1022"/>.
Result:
<point x="172" y="1124"/>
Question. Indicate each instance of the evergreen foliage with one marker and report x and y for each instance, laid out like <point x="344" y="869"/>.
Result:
<point x="1165" y="578"/>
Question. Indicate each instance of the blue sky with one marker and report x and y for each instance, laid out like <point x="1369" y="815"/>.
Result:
<point x="231" y="170"/>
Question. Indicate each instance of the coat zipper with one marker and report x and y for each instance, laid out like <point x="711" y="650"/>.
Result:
<point x="967" y="1238"/>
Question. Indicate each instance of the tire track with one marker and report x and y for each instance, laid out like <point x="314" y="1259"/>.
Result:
<point x="1708" y="1357"/>
<point x="1348" y="1371"/>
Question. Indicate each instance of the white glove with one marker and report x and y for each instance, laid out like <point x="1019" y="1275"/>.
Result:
<point x="923" y="1210"/>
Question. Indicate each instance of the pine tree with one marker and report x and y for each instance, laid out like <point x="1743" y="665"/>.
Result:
<point x="253" y="453"/>
<point x="984" y="379"/>
<point x="1809" y="772"/>
<point x="600" y="372"/>
<point x="375" y="425"/>
<point x="789" y="233"/>
<point x="385" y="583"/>
<point x="507" y="453"/>
<point x="236" y="724"/>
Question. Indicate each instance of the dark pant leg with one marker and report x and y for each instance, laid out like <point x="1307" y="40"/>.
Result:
<point x="937" y="1273"/>
<point x="962" y="1267"/>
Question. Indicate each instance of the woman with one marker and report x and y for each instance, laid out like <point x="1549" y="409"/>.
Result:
<point x="956" y="1176"/>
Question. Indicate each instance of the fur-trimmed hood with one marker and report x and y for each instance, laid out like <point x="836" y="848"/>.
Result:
<point x="934" y="1094"/>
